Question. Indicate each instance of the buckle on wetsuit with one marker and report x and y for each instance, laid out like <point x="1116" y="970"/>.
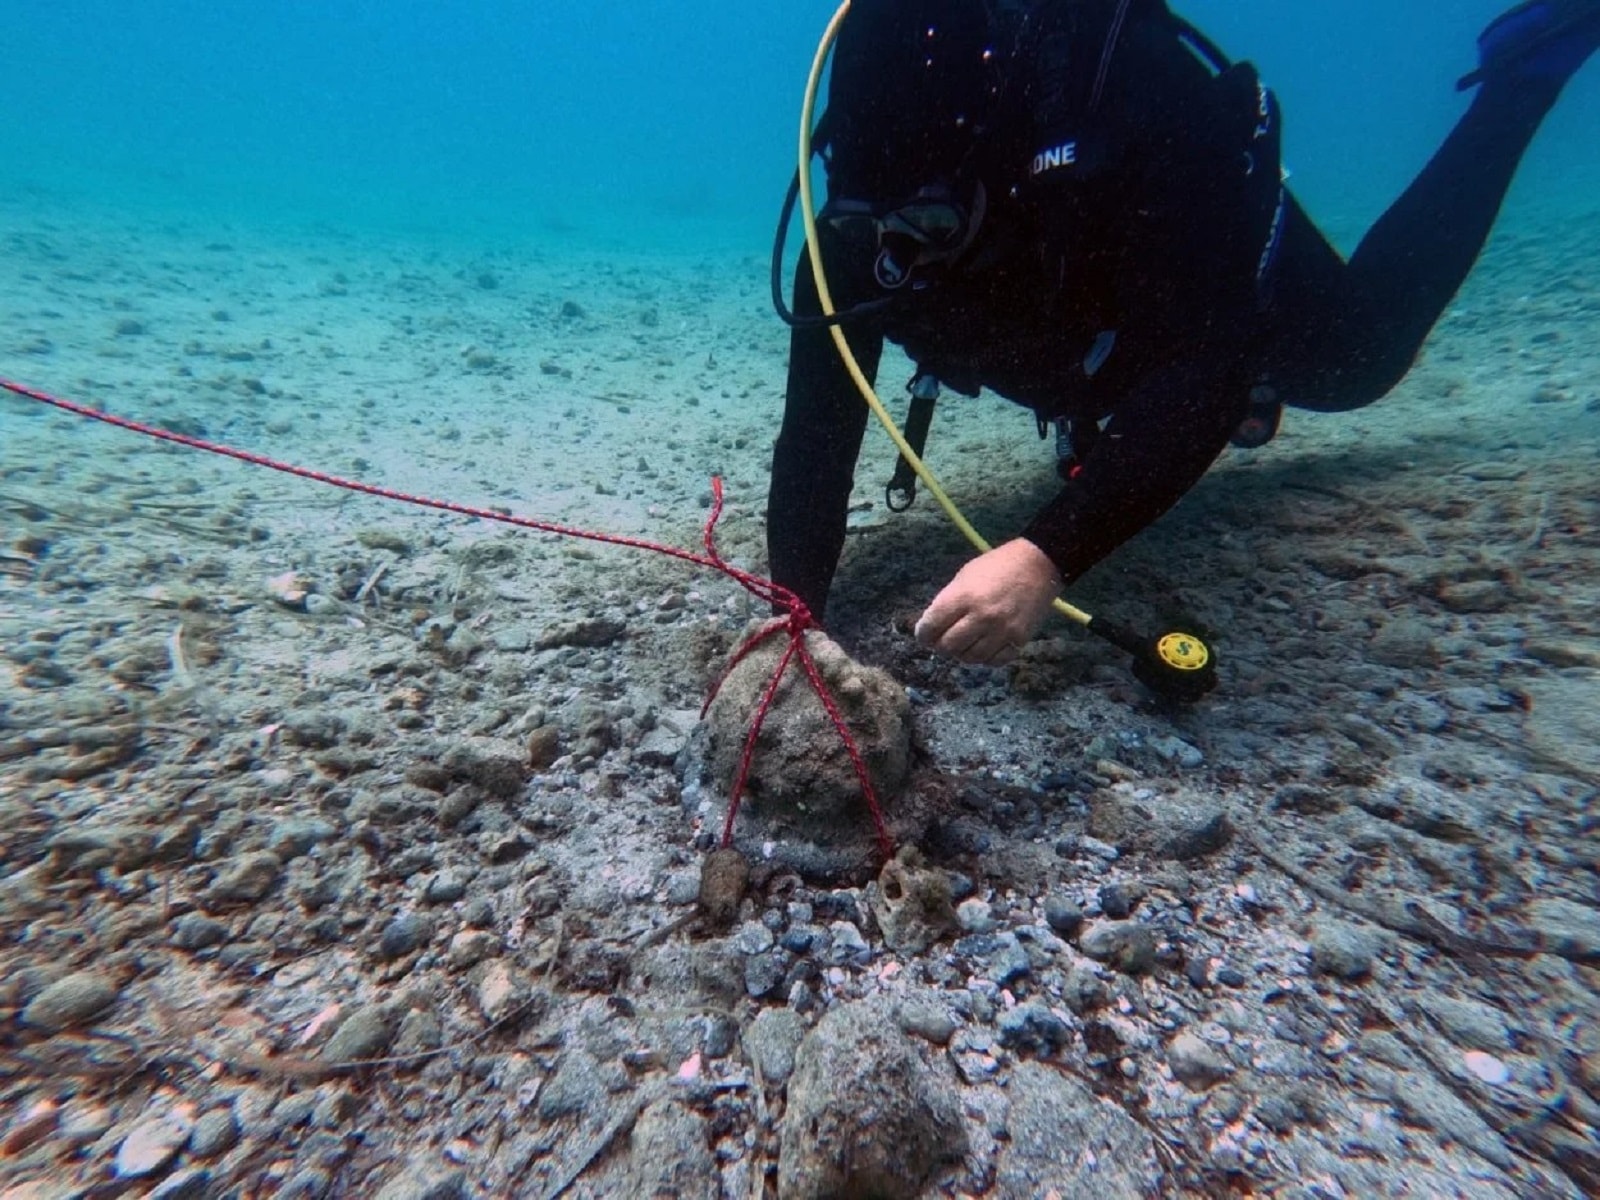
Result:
<point x="901" y="493"/>
<point x="1074" y="442"/>
<point x="1260" y="424"/>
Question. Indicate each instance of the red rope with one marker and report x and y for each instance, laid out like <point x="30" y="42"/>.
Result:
<point x="796" y="624"/>
<point x="797" y="621"/>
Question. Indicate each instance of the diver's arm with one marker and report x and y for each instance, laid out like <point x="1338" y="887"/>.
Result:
<point x="1186" y="249"/>
<point x="813" y="465"/>
<point x="1157" y="446"/>
<point x="1152" y="452"/>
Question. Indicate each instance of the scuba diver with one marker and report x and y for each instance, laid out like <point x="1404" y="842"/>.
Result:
<point x="1079" y="204"/>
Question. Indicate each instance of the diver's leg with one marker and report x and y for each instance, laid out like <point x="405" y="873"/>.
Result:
<point x="1322" y="351"/>
<point x="1343" y="338"/>
<point x="1414" y="260"/>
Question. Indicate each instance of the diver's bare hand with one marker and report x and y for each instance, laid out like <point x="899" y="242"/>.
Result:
<point x="993" y="606"/>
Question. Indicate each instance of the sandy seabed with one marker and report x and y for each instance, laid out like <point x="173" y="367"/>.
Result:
<point x="340" y="840"/>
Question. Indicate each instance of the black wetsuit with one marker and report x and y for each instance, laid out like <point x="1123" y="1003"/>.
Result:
<point x="1157" y="277"/>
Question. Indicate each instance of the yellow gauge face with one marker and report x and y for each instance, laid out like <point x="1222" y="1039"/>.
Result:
<point x="1183" y="652"/>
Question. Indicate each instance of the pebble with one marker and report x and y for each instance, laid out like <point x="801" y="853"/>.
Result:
<point x="196" y="931"/>
<point x="514" y="640"/>
<point x="1008" y="961"/>
<point x="365" y="1033"/>
<point x="313" y="728"/>
<point x="724" y="876"/>
<point x="1115" y="901"/>
<point x="772" y="1040"/>
<point x="543" y="746"/>
<point x="1063" y="914"/>
<point x="1082" y="990"/>
<point x="419" y="1032"/>
<point x="1126" y="945"/>
<point x="1342" y="950"/>
<point x="1470" y="1023"/>
<point x="1173" y="749"/>
<point x="722" y="1034"/>
<point x="1195" y="1064"/>
<point x="291" y="839"/>
<point x="500" y="991"/>
<point x="458" y="806"/>
<point x="246" y="879"/>
<point x="846" y="940"/>
<point x="152" y="1145"/>
<point x="867" y="1112"/>
<point x="662" y="746"/>
<point x="313" y="1183"/>
<point x="1228" y="1104"/>
<point x="86" y="1123"/>
<point x="1033" y="1028"/>
<point x="29" y="1127"/>
<point x="975" y="916"/>
<point x="752" y="938"/>
<point x="84" y="851"/>
<point x="1279" y="1112"/>
<point x="504" y="847"/>
<point x="1567" y="927"/>
<point x="1099" y="849"/>
<point x="70" y="1001"/>
<point x="321" y="891"/>
<point x="799" y="939"/>
<point x="975" y="1066"/>
<point x="216" y="1132"/>
<point x="763" y="973"/>
<point x="1197" y="834"/>
<point x="318" y="605"/>
<point x="1230" y="977"/>
<point x="927" y="1019"/>
<point x="444" y="888"/>
<point x="1487" y="1067"/>
<point x="470" y="947"/>
<point x="407" y="932"/>
<point x="334" y="1109"/>
<point x="294" y="1111"/>
<point x="496" y="766"/>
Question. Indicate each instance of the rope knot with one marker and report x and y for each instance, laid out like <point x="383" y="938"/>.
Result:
<point x="799" y="619"/>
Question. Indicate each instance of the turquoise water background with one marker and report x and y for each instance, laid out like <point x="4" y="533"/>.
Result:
<point x="638" y="122"/>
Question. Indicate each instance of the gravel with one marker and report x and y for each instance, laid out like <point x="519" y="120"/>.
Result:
<point x="1270" y="934"/>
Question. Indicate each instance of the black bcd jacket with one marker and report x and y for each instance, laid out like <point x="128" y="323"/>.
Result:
<point x="1121" y="270"/>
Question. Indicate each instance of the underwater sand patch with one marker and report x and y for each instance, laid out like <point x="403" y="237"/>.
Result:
<point x="1564" y="723"/>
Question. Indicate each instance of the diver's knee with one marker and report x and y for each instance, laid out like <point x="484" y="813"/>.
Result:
<point x="1351" y="385"/>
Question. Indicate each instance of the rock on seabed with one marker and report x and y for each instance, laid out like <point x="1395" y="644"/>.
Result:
<point x="72" y="1000"/>
<point x="871" y="1113"/>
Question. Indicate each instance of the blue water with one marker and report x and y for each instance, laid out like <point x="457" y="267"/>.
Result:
<point x="642" y="121"/>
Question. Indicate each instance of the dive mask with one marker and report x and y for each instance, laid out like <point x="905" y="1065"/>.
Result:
<point x="930" y="228"/>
